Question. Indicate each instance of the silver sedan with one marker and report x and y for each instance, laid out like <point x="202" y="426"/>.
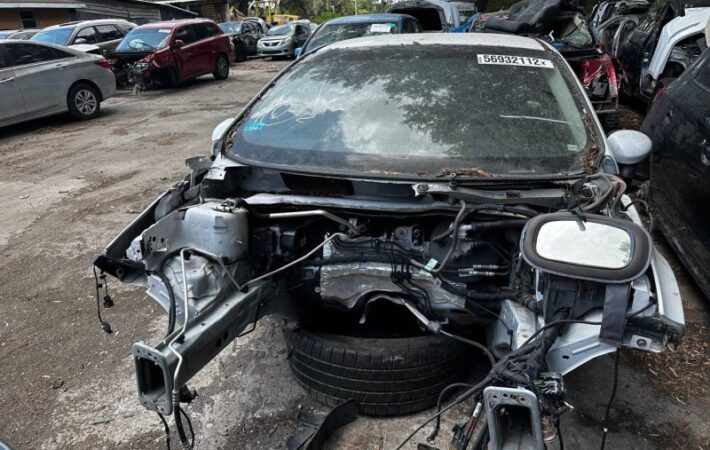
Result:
<point x="38" y="79"/>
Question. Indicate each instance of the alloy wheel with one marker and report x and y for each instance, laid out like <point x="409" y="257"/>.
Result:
<point x="85" y="101"/>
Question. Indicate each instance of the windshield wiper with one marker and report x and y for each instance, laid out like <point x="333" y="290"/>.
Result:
<point x="542" y="119"/>
<point x="549" y="197"/>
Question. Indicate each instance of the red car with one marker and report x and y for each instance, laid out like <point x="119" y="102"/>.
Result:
<point x="168" y="53"/>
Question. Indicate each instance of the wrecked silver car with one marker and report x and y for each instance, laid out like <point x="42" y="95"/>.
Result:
<point x="415" y="205"/>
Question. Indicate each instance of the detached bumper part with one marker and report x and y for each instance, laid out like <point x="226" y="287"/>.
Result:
<point x="205" y="337"/>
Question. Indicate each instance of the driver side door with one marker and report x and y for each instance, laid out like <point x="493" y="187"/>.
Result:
<point x="185" y="56"/>
<point x="13" y="105"/>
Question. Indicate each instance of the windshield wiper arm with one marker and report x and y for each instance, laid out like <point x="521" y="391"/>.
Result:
<point x="550" y="197"/>
<point x="542" y="119"/>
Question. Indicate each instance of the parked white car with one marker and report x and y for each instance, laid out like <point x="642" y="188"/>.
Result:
<point x="38" y="79"/>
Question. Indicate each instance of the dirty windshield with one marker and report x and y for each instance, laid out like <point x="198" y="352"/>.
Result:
<point x="279" y="31"/>
<point x="145" y="40"/>
<point x="421" y="110"/>
<point x="340" y="32"/>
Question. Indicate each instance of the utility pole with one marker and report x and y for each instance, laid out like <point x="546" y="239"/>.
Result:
<point x="356" y="7"/>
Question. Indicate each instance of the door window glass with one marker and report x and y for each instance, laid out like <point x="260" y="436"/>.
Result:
<point x="2" y="60"/>
<point x="88" y="34"/>
<point x="201" y="31"/>
<point x="211" y="29"/>
<point x="21" y="54"/>
<point x="108" y="33"/>
<point x="185" y="34"/>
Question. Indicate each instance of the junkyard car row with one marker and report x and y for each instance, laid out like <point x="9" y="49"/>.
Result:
<point x="410" y="225"/>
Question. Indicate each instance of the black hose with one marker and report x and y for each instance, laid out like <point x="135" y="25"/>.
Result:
<point x="557" y="322"/>
<point x="475" y="344"/>
<point x="172" y="311"/>
<point x="442" y="394"/>
<point x="167" y="430"/>
<point x="454" y="239"/>
<point x="509" y="223"/>
<point x="179" y="414"/>
<point x="472" y="391"/>
<point x="615" y="384"/>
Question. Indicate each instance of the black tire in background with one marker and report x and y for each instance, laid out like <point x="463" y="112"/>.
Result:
<point x="221" y="67"/>
<point x="386" y="377"/>
<point x="83" y="101"/>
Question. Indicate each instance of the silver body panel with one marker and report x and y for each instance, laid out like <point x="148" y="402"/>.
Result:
<point x="40" y="89"/>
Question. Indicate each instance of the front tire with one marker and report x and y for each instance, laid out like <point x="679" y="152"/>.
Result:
<point x="221" y="67"/>
<point x="83" y="101"/>
<point x="387" y="377"/>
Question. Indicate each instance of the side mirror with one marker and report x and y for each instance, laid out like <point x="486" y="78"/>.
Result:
<point x="629" y="148"/>
<point x="80" y="41"/>
<point x="601" y="248"/>
<point x="217" y="134"/>
<point x="178" y="44"/>
<point x="297" y="52"/>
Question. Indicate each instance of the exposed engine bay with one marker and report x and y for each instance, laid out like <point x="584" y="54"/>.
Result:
<point x="230" y="244"/>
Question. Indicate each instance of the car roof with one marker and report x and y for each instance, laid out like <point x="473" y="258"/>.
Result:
<point x="470" y="39"/>
<point x="367" y="18"/>
<point x="87" y="22"/>
<point x="174" y="23"/>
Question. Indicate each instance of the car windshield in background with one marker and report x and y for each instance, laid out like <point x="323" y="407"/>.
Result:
<point x="145" y="40"/>
<point x="230" y="27"/>
<point x="279" y="31"/>
<point x="58" y="36"/>
<point x="494" y="110"/>
<point x="340" y="32"/>
<point x="5" y="34"/>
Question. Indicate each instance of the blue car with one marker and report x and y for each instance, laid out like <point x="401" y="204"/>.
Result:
<point x="350" y="27"/>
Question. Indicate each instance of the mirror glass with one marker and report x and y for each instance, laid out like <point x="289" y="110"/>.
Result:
<point x="587" y="244"/>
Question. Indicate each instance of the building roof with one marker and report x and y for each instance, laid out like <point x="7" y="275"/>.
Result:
<point x="78" y="5"/>
<point x="42" y="5"/>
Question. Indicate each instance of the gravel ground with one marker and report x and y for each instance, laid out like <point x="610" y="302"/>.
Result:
<point x="72" y="186"/>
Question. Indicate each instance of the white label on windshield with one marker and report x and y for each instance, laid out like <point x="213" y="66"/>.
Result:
<point x="162" y="30"/>
<point x="507" y="60"/>
<point x="696" y="9"/>
<point x="380" y="27"/>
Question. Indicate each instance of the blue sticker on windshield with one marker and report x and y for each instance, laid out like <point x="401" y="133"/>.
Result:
<point x="257" y="126"/>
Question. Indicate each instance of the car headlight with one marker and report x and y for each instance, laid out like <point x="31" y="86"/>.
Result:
<point x="286" y="41"/>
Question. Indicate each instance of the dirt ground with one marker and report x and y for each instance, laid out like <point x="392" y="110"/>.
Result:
<point x="70" y="187"/>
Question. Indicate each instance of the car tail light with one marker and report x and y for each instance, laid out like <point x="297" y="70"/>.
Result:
<point x="611" y="76"/>
<point x="591" y="69"/>
<point x="103" y="63"/>
<point x="588" y="70"/>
